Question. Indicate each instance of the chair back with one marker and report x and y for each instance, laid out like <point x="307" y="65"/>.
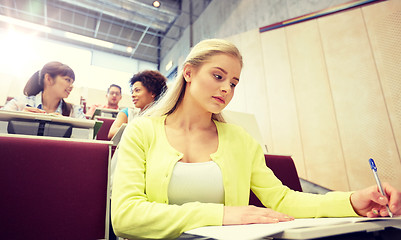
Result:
<point x="53" y="189"/>
<point x="284" y="169"/>
<point x="104" y="129"/>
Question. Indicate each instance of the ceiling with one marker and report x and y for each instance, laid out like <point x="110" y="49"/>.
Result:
<point x="120" y="23"/>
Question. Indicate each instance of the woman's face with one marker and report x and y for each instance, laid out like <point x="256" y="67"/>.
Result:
<point x="141" y="96"/>
<point x="212" y="85"/>
<point x="60" y="86"/>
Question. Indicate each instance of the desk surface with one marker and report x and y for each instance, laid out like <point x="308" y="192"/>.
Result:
<point x="80" y="123"/>
<point x="386" y="234"/>
<point x="297" y="229"/>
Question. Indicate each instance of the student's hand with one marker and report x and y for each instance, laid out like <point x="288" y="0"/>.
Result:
<point x="369" y="202"/>
<point x="252" y="214"/>
<point x="33" y="110"/>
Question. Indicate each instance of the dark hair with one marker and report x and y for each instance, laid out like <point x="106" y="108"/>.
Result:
<point x="113" y="85"/>
<point x="35" y="83"/>
<point x="153" y="81"/>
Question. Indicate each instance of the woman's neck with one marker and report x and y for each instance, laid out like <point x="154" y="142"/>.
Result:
<point x="49" y="102"/>
<point x="189" y="116"/>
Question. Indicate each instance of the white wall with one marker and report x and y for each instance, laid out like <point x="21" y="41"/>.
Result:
<point x="22" y="55"/>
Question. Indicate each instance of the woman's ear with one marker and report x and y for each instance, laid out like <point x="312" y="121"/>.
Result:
<point x="187" y="72"/>
<point x="48" y="80"/>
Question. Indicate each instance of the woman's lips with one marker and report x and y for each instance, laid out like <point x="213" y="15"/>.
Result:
<point x="220" y="99"/>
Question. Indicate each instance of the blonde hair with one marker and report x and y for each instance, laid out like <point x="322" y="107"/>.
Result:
<point x="199" y="54"/>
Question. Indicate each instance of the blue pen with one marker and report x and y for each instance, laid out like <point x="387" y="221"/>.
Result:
<point x="374" y="169"/>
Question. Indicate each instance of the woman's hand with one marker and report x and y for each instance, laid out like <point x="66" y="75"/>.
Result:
<point x="370" y="202"/>
<point x="252" y="214"/>
<point x="33" y="110"/>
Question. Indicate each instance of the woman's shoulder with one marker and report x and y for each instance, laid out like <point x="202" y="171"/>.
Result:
<point x="144" y="126"/>
<point x="146" y="121"/>
<point x="234" y="133"/>
<point x="231" y="128"/>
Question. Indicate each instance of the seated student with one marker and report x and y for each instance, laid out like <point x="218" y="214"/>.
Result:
<point x="45" y="92"/>
<point x="181" y="167"/>
<point x="113" y="98"/>
<point x="146" y="87"/>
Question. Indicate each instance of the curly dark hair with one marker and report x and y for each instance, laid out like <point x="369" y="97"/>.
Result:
<point x="153" y="81"/>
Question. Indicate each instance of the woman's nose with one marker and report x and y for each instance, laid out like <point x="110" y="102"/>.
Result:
<point x="225" y="88"/>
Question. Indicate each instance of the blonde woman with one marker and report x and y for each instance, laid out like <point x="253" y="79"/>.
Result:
<point x="183" y="167"/>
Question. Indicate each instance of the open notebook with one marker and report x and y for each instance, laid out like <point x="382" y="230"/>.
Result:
<point x="306" y="228"/>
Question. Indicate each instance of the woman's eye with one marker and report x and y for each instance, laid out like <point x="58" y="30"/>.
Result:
<point x="217" y="76"/>
<point x="233" y="85"/>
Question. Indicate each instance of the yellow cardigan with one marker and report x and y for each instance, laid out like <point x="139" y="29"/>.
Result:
<point x="140" y="208"/>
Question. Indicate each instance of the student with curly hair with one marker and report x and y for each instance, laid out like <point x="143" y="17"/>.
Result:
<point x="146" y="88"/>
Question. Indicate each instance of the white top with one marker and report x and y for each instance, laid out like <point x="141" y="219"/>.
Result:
<point x="196" y="182"/>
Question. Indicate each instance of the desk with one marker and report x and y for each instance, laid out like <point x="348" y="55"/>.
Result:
<point x="81" y="128"/>
<point x="106" y="112"/>
<point x="386" y="234"/>
<point x="323" y="228"/>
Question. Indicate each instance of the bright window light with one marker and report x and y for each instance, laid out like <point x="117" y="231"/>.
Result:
<point x="18" y="51"/>
<point x="33" y="26"/>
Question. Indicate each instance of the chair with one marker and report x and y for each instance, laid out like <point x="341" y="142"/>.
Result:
<point x="104" y="129"/>
<point x="53" y="189"/>
<point x="284" y="169"/>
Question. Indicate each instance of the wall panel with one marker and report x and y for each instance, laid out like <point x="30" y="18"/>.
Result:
<point x="383" y="22"/>
<point x="324" y="159"/>
<point x="283" y="114"/>
<point x="328" y="92"/>
<point x="364" y="126"/>
<point x="252" y="82"/>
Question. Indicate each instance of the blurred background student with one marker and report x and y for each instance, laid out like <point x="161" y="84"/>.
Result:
<point x="146" y="87"/>
<point x="113" y="98"/>
<point x="45" y="92"/>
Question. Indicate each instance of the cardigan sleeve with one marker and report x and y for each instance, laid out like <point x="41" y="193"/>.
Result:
<point x="269" y="189"/>
<point x="133" y="215"/>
